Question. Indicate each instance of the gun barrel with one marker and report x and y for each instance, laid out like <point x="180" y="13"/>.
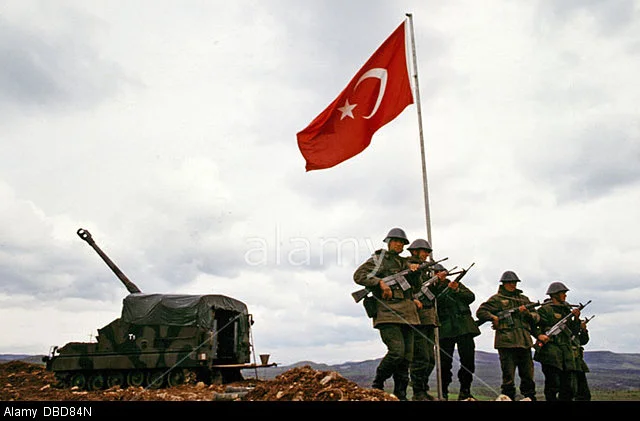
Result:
<point x="86" y="236"/>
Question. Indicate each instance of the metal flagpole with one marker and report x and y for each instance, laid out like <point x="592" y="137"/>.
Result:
<point x="426" y="190"/>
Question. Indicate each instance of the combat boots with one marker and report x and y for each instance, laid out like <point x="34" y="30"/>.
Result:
<point x="465" y="394"/>
<point x="419" y="396"/>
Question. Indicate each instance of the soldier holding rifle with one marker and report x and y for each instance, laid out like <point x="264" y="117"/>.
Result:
<point x="513" y="334"/>
<point x="424" y="360"/>
<point x="583" y="393"/>
<point x="456" y="328"/>
<point x="554" y="350"/>
<point x="394" y="311"/>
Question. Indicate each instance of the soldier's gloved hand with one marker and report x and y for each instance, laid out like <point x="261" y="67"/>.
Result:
<point x="386" y="291"/>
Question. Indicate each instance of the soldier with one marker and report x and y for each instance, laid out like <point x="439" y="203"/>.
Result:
<point x="556" y="355"/>
<point x="457" y="327"/>
<point x="424" y="359"/>
<point x="512" y="335"/>
<point x="395" y="312"/>
<point x="583" y="393"/>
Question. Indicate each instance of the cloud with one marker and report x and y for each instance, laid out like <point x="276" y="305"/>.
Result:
<point x="610" y="16"/>
<point x="51" y="68"/>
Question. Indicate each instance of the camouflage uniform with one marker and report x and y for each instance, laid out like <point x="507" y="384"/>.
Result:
<point x="583" y="393"/>
<point x="394" y="319"/>
<point x="457" y="327"/>
<point x="424" y="358"/>
<point x="557" y="356"/>
<point x="513" y="341"/>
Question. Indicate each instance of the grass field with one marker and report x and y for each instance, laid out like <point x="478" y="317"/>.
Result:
<point x="485" y="394"/>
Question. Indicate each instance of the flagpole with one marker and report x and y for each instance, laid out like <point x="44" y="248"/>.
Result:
<point x="426" y="191"/>
<point x="422" y="154"/>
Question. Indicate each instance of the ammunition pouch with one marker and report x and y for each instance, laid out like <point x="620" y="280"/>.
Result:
<point x="370" y="306"/>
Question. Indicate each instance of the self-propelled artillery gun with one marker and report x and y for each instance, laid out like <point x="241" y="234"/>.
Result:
<point x="160" y="340"/>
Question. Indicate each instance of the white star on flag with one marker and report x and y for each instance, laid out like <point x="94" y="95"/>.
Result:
<point x="347" y="109"/>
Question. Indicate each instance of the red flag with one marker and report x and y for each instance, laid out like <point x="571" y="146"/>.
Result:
<point x="377" y="94"/>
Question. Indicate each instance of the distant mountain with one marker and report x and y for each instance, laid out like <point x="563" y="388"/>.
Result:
<point x="34" y="359"/>
<point x="609" y="371"/>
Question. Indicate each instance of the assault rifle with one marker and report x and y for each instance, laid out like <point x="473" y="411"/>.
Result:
<point x="585" y="321"/>
<point x="397" y="279"/>
<point x="588" y="319"/>
<point x="462" y="273"/>
<point x="558" y="327"/>
<point x="507" y="314"/>
<point x="424" y="294"/>
<point x="457" y="279"/>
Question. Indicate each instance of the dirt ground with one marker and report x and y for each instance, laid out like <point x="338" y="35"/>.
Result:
<point x="21" y="381"/>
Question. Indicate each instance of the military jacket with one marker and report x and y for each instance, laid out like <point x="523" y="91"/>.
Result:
<point x="558" y="352"/>
<point x="401" y="307"/>
<point x="514" y="333"/>
<point x="580" y="339"/>
<point x="454" y="315"/>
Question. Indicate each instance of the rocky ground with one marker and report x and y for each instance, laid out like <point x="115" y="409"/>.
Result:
<point x="21" y="381"/>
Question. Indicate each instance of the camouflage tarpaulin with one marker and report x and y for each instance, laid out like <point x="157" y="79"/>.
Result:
<point x="177" y="310"/>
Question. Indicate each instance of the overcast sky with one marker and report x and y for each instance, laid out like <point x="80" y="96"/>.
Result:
<point x="168" y="130"/>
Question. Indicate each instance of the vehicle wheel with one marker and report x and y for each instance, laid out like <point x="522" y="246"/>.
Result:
<point x="115" y="379"/>
<point x="96" y="382"/>
<point x="78" y="380"/>
<point x="155" y="379"/>
<point x="231" y="375"/>
<point x="175" y="377"/>
<point x="135" y="378"/>
<point x="62" y="380"/>
<point x="215" y="377"/>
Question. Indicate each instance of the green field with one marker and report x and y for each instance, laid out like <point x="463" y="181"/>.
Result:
<point x="485" y="394"/>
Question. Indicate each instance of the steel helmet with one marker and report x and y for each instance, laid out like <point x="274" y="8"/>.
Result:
<point x="509" y="276"/>
<point x="420" y="244"/>
<point x="438" y="267"/>
<point x="556" y="287"/>
<point x="397" y="233"/>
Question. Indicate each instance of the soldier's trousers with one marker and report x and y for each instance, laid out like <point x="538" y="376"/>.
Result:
<point x="521" y="359"/>
<point x="424" y="359"/>
<point x="466" y="354"/>
<point x="583" y="393"/>
<point x="559" y="385"/>
<point x="399" y="341"/>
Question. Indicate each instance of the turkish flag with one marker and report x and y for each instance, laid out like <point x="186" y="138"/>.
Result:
<point x="377" y="94"/>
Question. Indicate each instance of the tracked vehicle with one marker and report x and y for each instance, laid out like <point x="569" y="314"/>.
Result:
<point x="160" y="340"/>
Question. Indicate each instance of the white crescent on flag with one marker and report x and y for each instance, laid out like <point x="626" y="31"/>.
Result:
<point x="380" y="74"/>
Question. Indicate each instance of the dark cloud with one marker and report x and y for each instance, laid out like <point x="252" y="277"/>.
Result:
<point x="591" y="164"/>
<point x="53" y="70"/>
<point x="50" y="272"/>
